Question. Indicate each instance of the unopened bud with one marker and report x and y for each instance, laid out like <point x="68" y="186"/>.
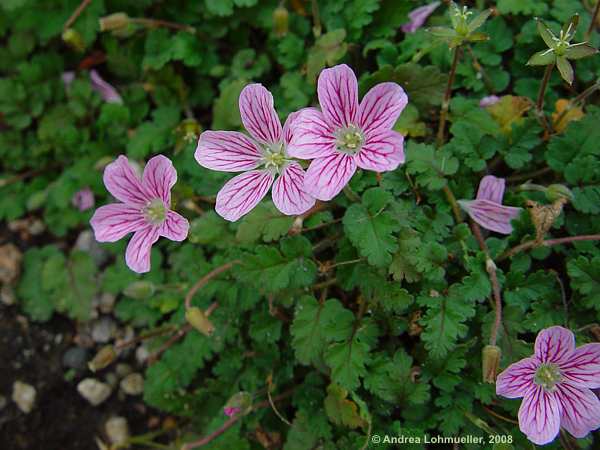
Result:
<point x="103" y="358"/>
<point x="240" y="403"/>
<point x="73" y="39"/>
<point x="197" y="319"/>
<point x="557" y="192"/>
<point x="140" y="290"/>
<point x="114" y="22"/>
<point x="490" y="362"/>
<point x="280" y="21"/>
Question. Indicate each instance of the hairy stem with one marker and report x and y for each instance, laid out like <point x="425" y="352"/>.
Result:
<point x="590" y="29"/>
<point x="84" y="4"/>
<point x="206" y="278"/>
<point x="539" y="104"/>
<point x="453" y="203"/>
<point x="548" y="243"/>
<point x="155" y="23"/>
<point x="529" y="175"/>
<point x="447" y="97"/>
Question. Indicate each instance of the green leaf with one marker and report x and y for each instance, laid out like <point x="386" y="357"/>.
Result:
<point x="226" y="113"/>
<point x="579" y="51"/>
<point x="542" y="58"/>
<point x="341" y="410"/>
<point x="328" y="50"/>
<point x="266" y="222"/>
<point x="565" y="68"/>
<point x="347" y="361"/>
<point x="430" y="165"/>
<point x="370" y="228"/>
<point x="585" y="279"/>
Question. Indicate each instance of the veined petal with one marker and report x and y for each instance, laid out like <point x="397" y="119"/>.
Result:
<point x="555" y="345"/>
<point x="175" y="227"/>
<point x="491" y="188"/>
<point x="583" y="366"/>
<point x="382" y="151"/>
<point x="311" y="136"/>
<point x="108" y="93"/>
<point x="112" y="222"/>
<point x="539" y="415"/>
<point x="288" y="191"/>
<point x="289" y="126"/>
<point x="242" y="193"/>
<point x="123" y="183"/>
<point x="258" y="114"/>
<point x="326" y="177"/>
<point x="580" y="409"/>
<point x="517" y="378"/>
<point x="381" y="106"/>
<point x="337" y="89"/>
<point x="159" y="178"/>
<point x="137" y="255"/>
<point x="418" y="17"/>
<point x="491" y="216"/>
<point x="227" y="151"/>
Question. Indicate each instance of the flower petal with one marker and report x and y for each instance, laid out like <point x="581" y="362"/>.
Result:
<point x="383" y="151"/>
<point x="580" y="409"/>
<point x="539" y="415"/>
<point x="159" y="178"/>
<point x="517" y="378"/>
<point x="123" y="183"/>
<point x="555" y="345"/>
<point x="242" y="193"/>
<point x="418" y="17"/>
<point x="258" y="114"/>
<point x="311" y="136"/>
<point x="227" y="151"/>
<point x="288" y="191"/>
<point x="108" y="93"/>
<point x="381" y="106"/>
<point x="175" y="227"/>
<point x="112" y="222"/>
<point x="491" y="216"/>
<point x="491" y="188"/>
<point x="289" y="126"/>
<point x="137" y="255"/>
<point x="326" y="177"/>
<point x="583" y="366"/>
<point x="337" y="89"/>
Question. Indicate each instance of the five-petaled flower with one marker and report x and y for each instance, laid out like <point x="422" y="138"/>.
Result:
<point x="145" y="209"/>
<point x="556" y="385"/>
<point x="418" y="17"/>
<point x="344" y="134"/>
<point x="487" y="209"/>
<point x="264" y="159"/>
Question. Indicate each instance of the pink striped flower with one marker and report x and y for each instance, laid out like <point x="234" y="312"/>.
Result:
<point x="418" y="17"/>
<point x="108" y="93"/>
<point x="487" y="209"/>
<point x="556" y="384"/>
<point x="345" y="135"/>
<point x="264" y="159"/>
<point x="144" y="211"/>
<point x="83" y="199"/>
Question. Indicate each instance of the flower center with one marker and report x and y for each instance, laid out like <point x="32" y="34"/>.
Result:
<point x="155" y="211"/>
<point x="349" y="140"/>
<point x="548" y="376"/>
<point x="274" y="157"/>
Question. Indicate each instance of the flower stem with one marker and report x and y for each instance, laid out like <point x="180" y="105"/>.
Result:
<point x="316" y="19"/>
<point x="548" y="243"/>
<point x="579" y="99"/>
<point x="205" y="279"/>
<point x="539" y="104"/>
<point x="590" y="29"/>
<point x="84" y="4"/>
<point x="447" y="96"/>
<point x="453" y="203"/>
<point x="528" y="175"/>
<point x="155" y="23"/>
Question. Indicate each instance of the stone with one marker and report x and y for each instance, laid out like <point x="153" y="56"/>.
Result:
<point x="24" y="396"/>
<point x="117" y="430"/>
<point x="75" y="358"/>
<point x="133" y="384"/>
<point x="10" y="263"/>
<point x="94" y="391"/>
<point x="141" y="354"/>
<point x="87" y="243"/>
<point x="103" y="330"/>
<point x="7" y="295"/>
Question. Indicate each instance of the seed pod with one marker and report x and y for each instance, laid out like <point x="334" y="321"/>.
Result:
<point x="557" y="192"/>
<point x="140" y="290"/>
<point x="114" y="22"/>
<point x="280" y="21"/>
<point x="73" y="39"/>
<point x="490" y="362"/>
<point x="103" y="358"/>
<point x="197" y="319"/>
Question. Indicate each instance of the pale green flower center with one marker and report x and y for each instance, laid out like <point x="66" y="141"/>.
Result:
<point x="547" y="376"/>
<point x="349" y="140"/>
<point x="155" y="211"/>
<point x="274" y="157"/>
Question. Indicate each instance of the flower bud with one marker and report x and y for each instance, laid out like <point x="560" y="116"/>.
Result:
<point x="558" y="191"/>
<point x="73" y="39"/>
<point x="140" y="290"/>
<point x="197" y="319"/>
<point x="240" y="403"/>
<point x="280" y="21"/>
<point x="103" y="358"/>
<point x="114" y="22"/>
<point x="490" y="362"/>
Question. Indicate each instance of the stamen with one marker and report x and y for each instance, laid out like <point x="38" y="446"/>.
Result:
<point x="155" y="211"/>
<point x="548" y="376"/>
<point x="349" y="140"/>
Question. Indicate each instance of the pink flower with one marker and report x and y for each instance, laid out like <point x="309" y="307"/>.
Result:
<point x="108" y="93"/>
<point x="556" y="385"/>
<point x="231" y="411"/>
<point x="145" y="209"/>
<point x="83" y="199"/>
<point x="487" y="209"/>
<point x="67" y="78"/>
<point x="488" y="101"/>
<point x="264" y="159"/>
<point x="419" y="16"/>
<point x="345" y="134"/>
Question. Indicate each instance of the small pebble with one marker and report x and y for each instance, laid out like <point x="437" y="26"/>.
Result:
<point x="76" y="358"/>
<point x="3" y="402"/>
<point x="133" y="384"/>
<point x="24" y="396"/>
<point x="94" y="391"/>
<point x="87" y="243"/>
<point x="122" y="370"/>
<point x="141" y="354"/>
<point x="7" y="295"/>
<point x="106" y="302"/>
<point x="103" y="330"/>
<point x="10" y="263"/>
<point x="117" y="430"/>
